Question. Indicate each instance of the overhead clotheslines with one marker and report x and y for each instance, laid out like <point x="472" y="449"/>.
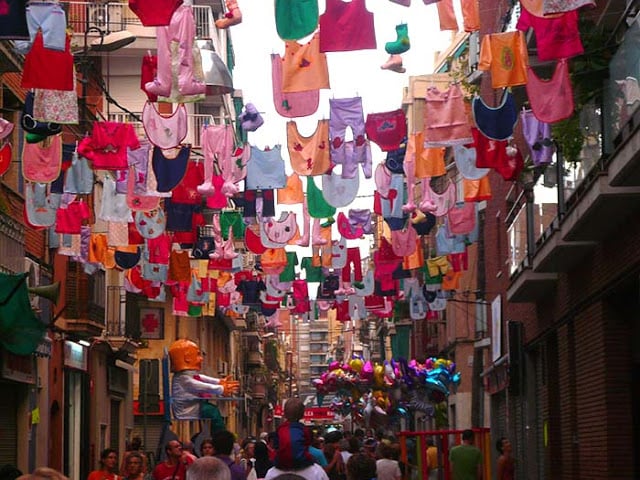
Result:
<point x="169" y="229"/>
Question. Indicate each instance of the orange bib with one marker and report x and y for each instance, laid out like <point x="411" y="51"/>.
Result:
<point x="309" y="155"/>
<point x="304" y="67"/>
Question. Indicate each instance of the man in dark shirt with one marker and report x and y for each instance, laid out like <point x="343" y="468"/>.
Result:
<point x="223" y="441"/>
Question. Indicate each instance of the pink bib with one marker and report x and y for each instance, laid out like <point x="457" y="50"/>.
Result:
<point x="42" y="164"/>
<point x="551" y="100"/>
<point x="164" y="131"/>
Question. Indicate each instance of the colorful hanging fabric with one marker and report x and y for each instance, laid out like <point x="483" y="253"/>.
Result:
<point x="495" y="122"/>
<point x="291" y="104"/>
<point x="296" y="19"/>
<point x="505" y="56"/>
<point x="556" y="38"/>
<point x="304" y="67"/>
<point x="346" y="26"/>
<point x="318" y="206"/>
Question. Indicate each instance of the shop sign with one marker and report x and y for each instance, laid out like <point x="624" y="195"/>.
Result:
<point x="75" y="355"/>
<point x="318" y="413"/>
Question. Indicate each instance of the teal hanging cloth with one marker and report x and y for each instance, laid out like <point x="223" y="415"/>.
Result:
<point x="20" y="330"/>
<point x="400" y="342"/>
<point x="296" y="19"/>
<point x="318" y="206"/>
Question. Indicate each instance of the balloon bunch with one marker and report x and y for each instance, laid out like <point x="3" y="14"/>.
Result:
<point x="368" y="390"/>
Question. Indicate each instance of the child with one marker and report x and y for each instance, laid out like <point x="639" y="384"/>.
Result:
<point x="294" y="439"/>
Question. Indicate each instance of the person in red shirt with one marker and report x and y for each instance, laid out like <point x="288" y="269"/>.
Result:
<point x="108" y="466"/>
<point x="176" y="464"/>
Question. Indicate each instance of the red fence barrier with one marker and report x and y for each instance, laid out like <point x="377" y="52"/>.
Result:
<point x="413" y="451"/>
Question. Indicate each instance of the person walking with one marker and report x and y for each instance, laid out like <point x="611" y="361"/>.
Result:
<point x="466" y="459"/>
<point x="506" y="467"/>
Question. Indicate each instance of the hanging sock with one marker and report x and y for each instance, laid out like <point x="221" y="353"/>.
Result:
<point x="401" y="44"/>
<point x="232" y="17"/>
<point x="394" y="64"/>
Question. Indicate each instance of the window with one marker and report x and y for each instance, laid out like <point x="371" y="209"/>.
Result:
<point x="318" y="336"/>
<point x="317" y="359"/>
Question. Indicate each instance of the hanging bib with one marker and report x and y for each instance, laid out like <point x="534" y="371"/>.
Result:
<point x="170" y="171"/>
<point x="40" y="208"/>
<point x="551" y="100"/>
<point x="318" y="206"/>
<point x="403" y="242"/>
<point x="150" y="224"/>
<point x="304" y="67"/>
<point x="252" y="242"/>
<point x="495" y="123"/>
<point x="296" y="19"/>
<point x="465" y="159"/>
<point x="293" y="104"/>
<point x="42" y="163"/>
<point x="283" y="230"/>
<point x="338" y="191"/>
<point x="441" y="202"/>
<point x="164" y="131"/>
<point x="309" y="155"/>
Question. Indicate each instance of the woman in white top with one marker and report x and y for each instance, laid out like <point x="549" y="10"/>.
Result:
<point x="386" y="467"/>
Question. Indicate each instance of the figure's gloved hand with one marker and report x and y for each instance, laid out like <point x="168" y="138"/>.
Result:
<point x="230" y="385"/>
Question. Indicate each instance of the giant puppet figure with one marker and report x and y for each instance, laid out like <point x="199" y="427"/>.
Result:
<point x="190" y="388"/>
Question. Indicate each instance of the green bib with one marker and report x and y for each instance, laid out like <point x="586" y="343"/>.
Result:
<point x="318" y="206"/>
<point x="296" y="19"/>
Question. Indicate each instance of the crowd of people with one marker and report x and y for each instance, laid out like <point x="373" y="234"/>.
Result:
<point x="292" y="452"/>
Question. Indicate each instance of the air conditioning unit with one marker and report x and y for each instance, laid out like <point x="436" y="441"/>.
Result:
<point x="33" y="279"/>
<point x="223" y="368"/>
<point x="106" y="17"/>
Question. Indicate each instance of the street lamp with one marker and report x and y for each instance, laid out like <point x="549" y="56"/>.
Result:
<point x="107" y="42"/>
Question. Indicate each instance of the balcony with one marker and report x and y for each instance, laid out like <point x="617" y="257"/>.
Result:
<point x="596" y="194"/>
<point x="91" y="17"/>
<point x="84" y="302"/>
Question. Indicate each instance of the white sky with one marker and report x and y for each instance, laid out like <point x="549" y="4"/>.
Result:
<point x="351" y="74"/>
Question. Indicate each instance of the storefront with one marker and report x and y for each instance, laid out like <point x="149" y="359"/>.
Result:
<point x="76" y="410"/>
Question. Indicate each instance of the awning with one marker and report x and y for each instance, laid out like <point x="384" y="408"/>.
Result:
<point x="20" y="330"/>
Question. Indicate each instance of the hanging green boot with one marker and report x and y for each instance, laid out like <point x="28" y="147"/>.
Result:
<point x="400" y="45"/>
